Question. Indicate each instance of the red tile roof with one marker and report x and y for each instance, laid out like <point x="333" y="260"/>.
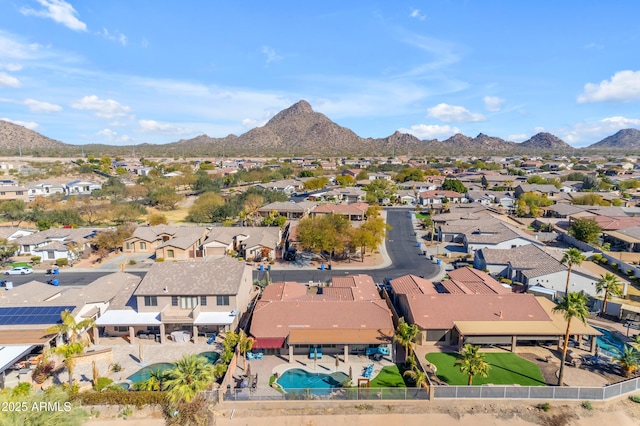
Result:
<point x="472" y="281"/>
<point x="411" y="284"/>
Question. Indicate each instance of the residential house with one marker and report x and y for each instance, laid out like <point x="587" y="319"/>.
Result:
<point x="46" y="189"/>
<point x="288" y="209"/>
<point x="82" y="187"/>
<point x="185" y="244"/>
<point x="345" y="318"/>
<point x="9" y="193"/>
<point x="181" y="302"/>
<point x="549" y="191"/>
<point x="354" y="212"/>
<point x="437" y="197"/>
<point x="288" y="186"/>
<point x="251" y="243"/>
<point x="56" y="243"/>
<point x="147" y="239"/>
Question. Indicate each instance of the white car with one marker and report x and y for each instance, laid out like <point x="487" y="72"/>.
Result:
<point x="19" y="270"/>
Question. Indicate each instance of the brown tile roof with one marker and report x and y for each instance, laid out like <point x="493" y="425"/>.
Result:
<point x="411" y="284"/>
<point x="283" y="291"/>
<point x="351" y="209"/>
<point x="441" y="311"/>
<point x="472" y="281"/>
<point x="276" y="319"/>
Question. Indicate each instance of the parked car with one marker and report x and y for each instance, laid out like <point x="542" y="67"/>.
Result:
<point x="19" y="270"/>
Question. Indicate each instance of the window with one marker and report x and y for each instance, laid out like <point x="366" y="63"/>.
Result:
<point x="143" y="246"/>
<point x="188" y="302"/>
<point x="170" y="253"/>
<point x="121" y="329"/>
<point x="150" y="301"/>
<point x="153" y="328"/>
<point x="127" y="246"/>
<point x="19" y="192"/>
<point x="174" y="300"/>
<point x="203" y="300"/>
<point x="222" y="300"/>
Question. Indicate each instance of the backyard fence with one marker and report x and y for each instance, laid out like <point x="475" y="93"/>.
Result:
<point x="536" y="392"/>
<point x="338" y="394"/>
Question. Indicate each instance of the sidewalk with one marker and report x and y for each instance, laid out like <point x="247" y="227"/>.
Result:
<point x="421" y="238"/>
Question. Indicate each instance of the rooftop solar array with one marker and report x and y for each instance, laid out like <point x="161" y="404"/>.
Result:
<point x="29" y="315"/>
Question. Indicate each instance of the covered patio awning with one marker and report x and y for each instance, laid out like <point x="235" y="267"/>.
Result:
<point x="128" y="318"/>
<point x="340" y="336"/>
<point x="10" y="354"/>
<point x="269" y="342"/>
<point x="215" y="318"/>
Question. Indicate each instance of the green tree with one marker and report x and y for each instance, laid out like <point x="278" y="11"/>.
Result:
<point x="571" y="257"/>
<point x="472" y="362"/>
<point x="7" y="249"/>
<point x="344" y="180"/>
<point x="592" y="199"/>
<point x="316" y="183"/>
<point x="379" y="189"/>
<point x="204" y="208"/>
<point x="192" y="374"/>
<point x="418" y="377"/>
<point x="157" y="219"/>
<point x="164" y="198"/>
<point x="324" y="233"/>
<point x="153" y="383"/>
<point x="110" y="240"/>
<point x="628" y="360"/>
<point x="610" y="285"/>
<point x="406" y="335"/>
<point x="454" y="185"/>
<point x="586" y="230"/>
<point x="126" y="212"/>
<point x="410" y="174"/>
<point x="251" y="205"/>
<point x="69" y="352"/>
<point x="69" y="328"/>
<point x="573" y="305"/>
<point x="14" y="210"/>
<point x="245" y="344"/>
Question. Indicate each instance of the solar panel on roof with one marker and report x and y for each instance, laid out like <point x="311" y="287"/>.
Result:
<point x="32" y="315"/>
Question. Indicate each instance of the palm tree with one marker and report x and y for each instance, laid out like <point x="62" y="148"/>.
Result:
<point x="628" y="360"/>
<point x="191" y="375"/>
<point x="571" y="257"/>
<point x="472" y="362"/>
<point x="153" y="383"/>
<point x="418" y="376"/>
<point x="610" y="285"/>
<point x="69" y="353"/>
<point x="70" y="328"/>
<point x="245" y="343"/>
<point x="406" y="335"/>
<point x="573" y="305"/>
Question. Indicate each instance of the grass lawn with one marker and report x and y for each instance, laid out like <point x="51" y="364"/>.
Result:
<point x="421" y="216"/>
<point x="389" y="377"/>
<point x="505" y="369"/>
<point x="17" y="264"/>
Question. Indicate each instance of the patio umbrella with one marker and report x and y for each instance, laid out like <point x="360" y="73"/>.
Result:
<point x="141" y="352"/>
<point x="350" y="373"/>
<point x="337" y="362"/>
<point x="248" y="373"/>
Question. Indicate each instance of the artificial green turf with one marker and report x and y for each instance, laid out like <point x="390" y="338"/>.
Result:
<point x="389" y="377"/>
<point x="504" y="369"/>
<point x="17" y="264"/>
<point x="421" y="216"/>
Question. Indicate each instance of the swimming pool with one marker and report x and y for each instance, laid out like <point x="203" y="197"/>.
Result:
<point x="145" y="373"/>
<point x="296" y="380"/>
<point x="609" y="342"/>
<point x="211" y="356"/>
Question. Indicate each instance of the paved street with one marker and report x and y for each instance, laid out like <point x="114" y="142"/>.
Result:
<point x="401" y="247"/>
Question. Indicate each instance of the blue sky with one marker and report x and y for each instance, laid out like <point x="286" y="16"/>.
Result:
<point x="127" y="72"/>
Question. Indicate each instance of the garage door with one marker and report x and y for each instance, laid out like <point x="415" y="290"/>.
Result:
<point x="215" y="251"/>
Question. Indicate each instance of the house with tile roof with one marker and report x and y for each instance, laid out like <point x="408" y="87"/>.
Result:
<point x="56" y="243"/>
<point x="437" y="197"/>
<point x="345" y="318"/>
<point x="256" y="243"/>
<point x="198" y="298"/>
<point x="288" y="209"/>
<point x="354" y="212"/>
<point x="152" y="239"/>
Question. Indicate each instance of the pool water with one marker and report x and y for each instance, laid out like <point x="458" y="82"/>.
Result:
<point x="608" y="342"/>
<point x="212" y="357"/>
<point x="296" y="380"/>
<point x="145" y="373"/>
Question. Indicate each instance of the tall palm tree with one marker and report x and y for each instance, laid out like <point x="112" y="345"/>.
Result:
<point x="245" y="344"/>
<point x="610" y="285"/>
<point x="69" y="327"/>
<point x="572" y="257"/>
<point x="153" y="383"/>
<point x="406" y="335"/>
<point x="628" y="360"/>
<point x="418" y="376"/>
<point x="573" y="305"/>
<point x="69" y="352"/>
<point x="472" y="362"/>
<point x="192" y="374"/>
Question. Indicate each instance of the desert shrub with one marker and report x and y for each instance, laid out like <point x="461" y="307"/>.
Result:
<point x="635" y="398"/>
<point x="115" y="367"/>
<point x="544" y="406"/>
<point x="62" y="262"/>
<point x="102" y="382"/>
<point x="159" y="259"/>
<point x="596" y="257"/>
<point x="132" y="262"/>
<point x="587" y="405"/>
<point x="604" y="261"/>
<point x="36" y="259"/>
<point x="110" y="397"/>
<point x="43" y="371"/>
<point x="505" y="281"/>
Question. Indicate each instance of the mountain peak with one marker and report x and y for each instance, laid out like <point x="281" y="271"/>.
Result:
<point x="625" y="138"/>
<point x="545" y="140"/>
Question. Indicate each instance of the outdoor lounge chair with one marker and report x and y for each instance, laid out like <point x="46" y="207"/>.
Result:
<point x="250" y="355"/>
<point x="319" y="353"/>
<point x="312" y="353"/>
<point x="211" y="339"/>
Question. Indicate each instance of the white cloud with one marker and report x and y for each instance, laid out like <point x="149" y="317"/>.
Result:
<point x="152" y="126"/>
<point x="102" y="108"/>
<point x="623" y="86"/>
<point x="453" y="113"/>
<point x="28" y="124"/>
<point x="586" y="133"/>
<point x="58" y="10"/>
<point x="250" y="123"/>
<point x="114" y="137"/>
<point x="415" y="13"/>
<point x="271" y="54"/>
<point x="7" y="80"/>
<point x="117" y="36"/>
<point x="493" y="103"/>
<point x="431" y="131"/>
<point x="11" y="67"/>
<point x="539" y="129"/>
<point x="39" y="106"/>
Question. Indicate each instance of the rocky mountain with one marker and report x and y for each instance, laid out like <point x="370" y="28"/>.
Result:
<point x="546" y="141"/>
<point x="481" y="142"/>
<point x="624" y="139"/>
<point x="15" y="138"/>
